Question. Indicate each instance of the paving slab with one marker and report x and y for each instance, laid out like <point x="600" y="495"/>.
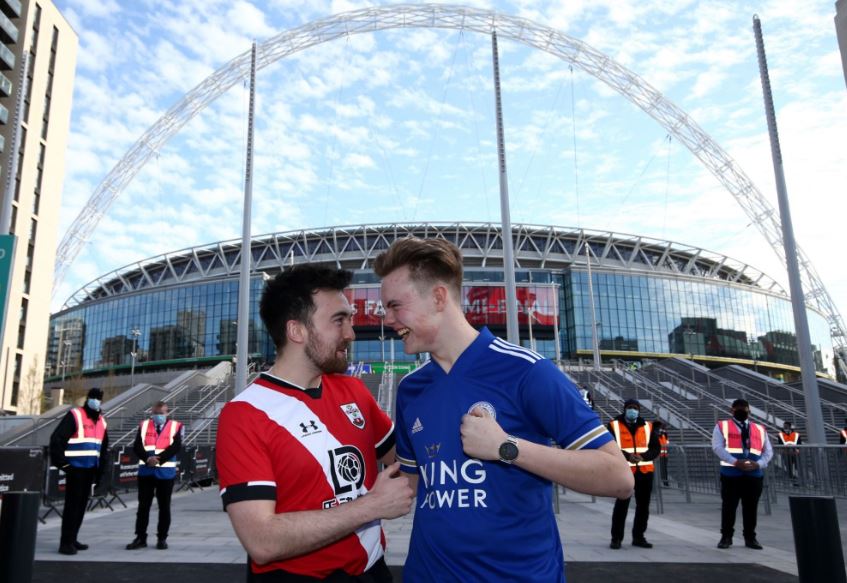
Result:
<point x="686" y="533"/>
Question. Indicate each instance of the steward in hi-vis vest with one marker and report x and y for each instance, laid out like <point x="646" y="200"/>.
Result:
<point x="640" y="446"/>
<point x="744" y="451"/>
<point x="662" y="435"/>
<point x="157" y="443"/>
<point x="79" y="447"/>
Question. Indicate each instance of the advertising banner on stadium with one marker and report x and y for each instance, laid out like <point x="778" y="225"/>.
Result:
<point x="21" y="469"/>
<point x="484" y="305"/>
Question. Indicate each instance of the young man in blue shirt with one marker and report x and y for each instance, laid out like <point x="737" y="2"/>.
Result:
<point x="474" y="426"/>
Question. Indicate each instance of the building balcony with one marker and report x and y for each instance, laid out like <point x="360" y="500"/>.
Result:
<point x="4" y="114"/>
<point x="8" y="30"/>
<point x="5" y="86"/>
<point x="11" y="8"/>
<point x="7" y="57"/>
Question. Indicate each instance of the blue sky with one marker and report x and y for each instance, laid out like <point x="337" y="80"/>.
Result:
<point x="398" y="126"/>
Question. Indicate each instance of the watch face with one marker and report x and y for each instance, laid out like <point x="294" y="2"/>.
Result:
<point x="508" y="451"/>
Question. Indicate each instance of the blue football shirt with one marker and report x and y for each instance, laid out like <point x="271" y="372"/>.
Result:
<point x="485" y="520"/>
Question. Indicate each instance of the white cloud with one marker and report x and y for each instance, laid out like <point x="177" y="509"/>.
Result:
<point x="400" y="123"/>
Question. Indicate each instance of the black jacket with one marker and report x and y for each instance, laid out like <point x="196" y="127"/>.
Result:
<point x="168" y="453"/>
<point x="653" y="446"/>
<point x="63" y="432"/>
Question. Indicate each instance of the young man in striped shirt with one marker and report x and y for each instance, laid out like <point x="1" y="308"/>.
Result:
<point x="297" y="450"/>
<point x="474" y="426"/>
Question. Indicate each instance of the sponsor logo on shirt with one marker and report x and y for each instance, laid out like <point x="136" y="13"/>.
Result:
<point x="450" y="484"/>
<point x="354" y="415"/>
<point x="417" y="426"/>
<point x="347" y="468"/>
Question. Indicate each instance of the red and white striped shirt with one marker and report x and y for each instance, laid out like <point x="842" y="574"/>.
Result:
<point x="306" y="449"/>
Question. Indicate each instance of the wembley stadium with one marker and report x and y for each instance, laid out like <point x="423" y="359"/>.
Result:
<point x="653" y="299"/>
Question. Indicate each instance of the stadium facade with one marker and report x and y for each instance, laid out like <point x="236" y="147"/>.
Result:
<point x="652" y="299"/>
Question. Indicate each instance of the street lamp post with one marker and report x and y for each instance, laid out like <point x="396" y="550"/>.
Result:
<point x="380" y="313"/>
<point x="135" y="333"/>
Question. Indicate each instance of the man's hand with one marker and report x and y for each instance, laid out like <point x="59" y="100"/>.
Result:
<point x="636" y="457"/>
<point x="391" y="494"/>
<point x="746" y="465"/>
<point x="481" y="435"/>
<point x="152" y="461"/>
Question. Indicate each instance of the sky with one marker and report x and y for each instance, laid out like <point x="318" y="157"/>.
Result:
<point x="398" y="126"/>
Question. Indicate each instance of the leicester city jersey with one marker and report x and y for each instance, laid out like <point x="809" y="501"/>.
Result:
<point x="486" y="520"/>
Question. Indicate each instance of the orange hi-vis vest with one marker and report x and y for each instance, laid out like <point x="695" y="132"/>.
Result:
<point x="637" y="445"/>
<point x="154" y="444"/>
<point x="732" y="439"/>
<point x="844" y="433"/>
<point x="663" y="445"/>
<point x="789" y="438"/>
<point x="83" y="448"/>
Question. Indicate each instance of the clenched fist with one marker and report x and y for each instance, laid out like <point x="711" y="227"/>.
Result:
<point x="391" y="493"/>
<point x="481" y="435"/>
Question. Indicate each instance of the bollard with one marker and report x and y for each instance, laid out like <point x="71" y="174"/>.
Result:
<point x="817" y="540"/>
<point x="18" y="519"/>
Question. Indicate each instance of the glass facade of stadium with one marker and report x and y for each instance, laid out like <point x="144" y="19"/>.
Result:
<point x="684" y="304"/>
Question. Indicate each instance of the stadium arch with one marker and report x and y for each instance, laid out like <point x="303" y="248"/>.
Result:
<point x="521" y="30"/>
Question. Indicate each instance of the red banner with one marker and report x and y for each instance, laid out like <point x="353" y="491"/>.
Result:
<point x="482" y="304"/>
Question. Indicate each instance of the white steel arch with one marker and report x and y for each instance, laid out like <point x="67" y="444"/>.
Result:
<point x="520" y="30"/>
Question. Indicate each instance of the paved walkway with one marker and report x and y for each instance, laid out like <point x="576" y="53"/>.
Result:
<point x="685" y="533"/>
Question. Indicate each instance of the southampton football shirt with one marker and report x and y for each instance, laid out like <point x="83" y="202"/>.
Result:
<point x="486" y="520"/>
<point x="306" y="449"/>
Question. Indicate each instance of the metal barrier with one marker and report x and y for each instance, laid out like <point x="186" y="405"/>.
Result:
<point x="801" y="470"/>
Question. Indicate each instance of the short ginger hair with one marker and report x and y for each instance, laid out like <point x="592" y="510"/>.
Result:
<point x="428" y="261"/>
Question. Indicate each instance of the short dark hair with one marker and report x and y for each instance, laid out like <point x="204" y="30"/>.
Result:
<point x="658" y="424"/>
<point x="159" y="404"/>
<point x="288" y="296"/>
<point x="740" y="403"/>
<point x="428" y="261"/>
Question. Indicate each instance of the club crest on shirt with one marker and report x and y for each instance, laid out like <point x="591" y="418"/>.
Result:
<point x="489" y="408"/>
<point x="354" y="415"/>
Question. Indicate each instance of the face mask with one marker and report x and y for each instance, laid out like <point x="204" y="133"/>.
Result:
<point x="740" y="414"/>
<point x="631" y="414"/>
<point x="94" y="404"/>
<point x="159" y="418"/>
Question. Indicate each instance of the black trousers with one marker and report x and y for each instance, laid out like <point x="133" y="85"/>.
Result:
<point x="78" y="483"/>
<point x="663" y="469"/>
<point x="748" y="490"/>
<point x="643" y="489"/>
<point x="149" y="487"/>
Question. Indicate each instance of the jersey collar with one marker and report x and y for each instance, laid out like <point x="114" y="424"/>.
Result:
<point x="470" y="354"/>
<point x="313" y="392"/>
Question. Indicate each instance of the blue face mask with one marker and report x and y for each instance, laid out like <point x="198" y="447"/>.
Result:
<point x="631" y="414"/>
<point x="93" y="404"/>
<point x="159" y="418"/>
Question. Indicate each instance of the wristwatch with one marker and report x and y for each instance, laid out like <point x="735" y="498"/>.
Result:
<point x="509" y="450"/>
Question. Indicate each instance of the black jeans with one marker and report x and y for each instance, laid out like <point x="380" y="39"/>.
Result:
<point x="746" y="489"/>
<point x="78" y="483"/>
<point x="148" y="487"/>
<point x="643" y="489"/>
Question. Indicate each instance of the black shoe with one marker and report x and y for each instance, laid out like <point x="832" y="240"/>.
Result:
<point x="725" y="543"/>
<point x="752" y="543"/>
<point x="80" y="546"/>
<point x="642" y="542"/>
<point x="67" y="549"/>
<point x="137" y="543"/>
<point x="615" y="544"/>
<point x="161" y="544"/>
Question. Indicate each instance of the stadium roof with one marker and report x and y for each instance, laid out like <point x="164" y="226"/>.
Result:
<point x="355" y="247"/>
